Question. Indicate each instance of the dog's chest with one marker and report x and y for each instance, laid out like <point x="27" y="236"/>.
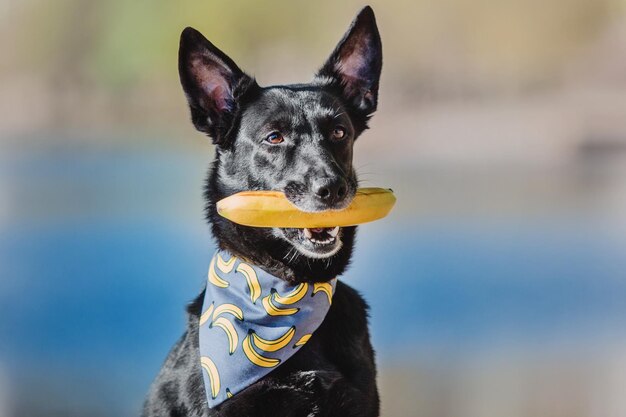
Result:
<point x="321" y="371"/>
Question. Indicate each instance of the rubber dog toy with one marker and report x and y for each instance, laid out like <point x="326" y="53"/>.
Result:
<point x="273" y="209"/>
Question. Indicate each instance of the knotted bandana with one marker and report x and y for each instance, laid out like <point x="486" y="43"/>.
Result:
<point x="252" y="322"/>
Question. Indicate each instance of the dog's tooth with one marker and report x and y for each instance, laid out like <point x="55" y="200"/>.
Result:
<point x="307" y="233"/>
<point x="334" y="231"/>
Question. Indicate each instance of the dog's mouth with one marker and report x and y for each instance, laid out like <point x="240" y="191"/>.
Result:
<point x="319" y="242"/>
<point x="321" y="235"/>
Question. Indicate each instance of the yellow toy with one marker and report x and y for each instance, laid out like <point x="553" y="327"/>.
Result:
<point x="273" y="209"/>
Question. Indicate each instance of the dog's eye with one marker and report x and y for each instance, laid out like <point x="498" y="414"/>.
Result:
<point x="274" y="138"/>
<point x="339" y="132"/>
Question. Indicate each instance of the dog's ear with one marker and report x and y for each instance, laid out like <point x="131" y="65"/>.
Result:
<point x="356" y="62"/>
<point x="213" y="84"/>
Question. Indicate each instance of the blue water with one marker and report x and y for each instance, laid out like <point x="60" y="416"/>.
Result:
<point x="101" y="251"/>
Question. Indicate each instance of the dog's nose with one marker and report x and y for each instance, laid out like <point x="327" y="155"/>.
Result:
<point x="330" y="190"/>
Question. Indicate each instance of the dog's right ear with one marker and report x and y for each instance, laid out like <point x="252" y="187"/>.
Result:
<point x="213" y="84"/>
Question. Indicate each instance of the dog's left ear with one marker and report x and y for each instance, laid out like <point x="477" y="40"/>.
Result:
<point x="356" y="62"/>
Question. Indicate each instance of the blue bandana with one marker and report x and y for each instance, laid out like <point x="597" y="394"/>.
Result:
<point x="252" y="322"/>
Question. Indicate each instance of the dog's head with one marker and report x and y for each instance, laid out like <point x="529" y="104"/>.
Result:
<point x="297" y="139"/>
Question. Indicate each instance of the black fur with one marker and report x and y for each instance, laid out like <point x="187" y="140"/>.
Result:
<point x="334" y="373"/>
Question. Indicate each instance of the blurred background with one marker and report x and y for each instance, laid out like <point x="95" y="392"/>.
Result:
<point x="497" y="286"/>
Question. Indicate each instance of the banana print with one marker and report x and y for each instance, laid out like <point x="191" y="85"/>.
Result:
<point x="229" y="329"/>
<point x="252" y="279"/>
<point x="214" y="278"/>
<point x="273" y="345"/>
<point x="225" y="266"/>
<point x="206" y="316"/>
<point x="293" y="296"/>
<point x="272" y="310"/>
<point x="252" y="322"/>
<point x="302" y="340"/>
<point x="214" y="376"/>
<point x="324" y="287"/>
<point x="254" y="357"/>
<point x="228" y="308"/>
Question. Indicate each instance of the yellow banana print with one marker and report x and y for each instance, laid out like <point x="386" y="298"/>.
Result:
<point x="272" y="310"/>
<point x="228" y="393"/>
<point x="252" y="279"/>
<point x="229" y="329"/>
<point x="303" y="340"/>
<point x="214" y="278"/>
<point x="214" y="376"/>
<point x="207" y="314"/>
<point x="324" y="287"/>
<point x="276" y="344"/>
<point x="293" y="296"/>
<point x="228" y="308"/>
<point x="225" y="266"/>
<point x="254" y="357"/>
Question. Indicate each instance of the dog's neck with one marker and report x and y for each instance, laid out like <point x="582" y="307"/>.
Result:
<point x="260" y="247"/>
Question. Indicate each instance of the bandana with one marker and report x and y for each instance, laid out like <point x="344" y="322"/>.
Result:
<point x="252" y="322"/>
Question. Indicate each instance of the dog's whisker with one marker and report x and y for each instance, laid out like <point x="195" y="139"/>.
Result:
<point x="294" y="256"/>
<point x="288" y="253"/>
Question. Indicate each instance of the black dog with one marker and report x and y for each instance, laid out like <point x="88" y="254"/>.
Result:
<point x="297" y="139"/>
